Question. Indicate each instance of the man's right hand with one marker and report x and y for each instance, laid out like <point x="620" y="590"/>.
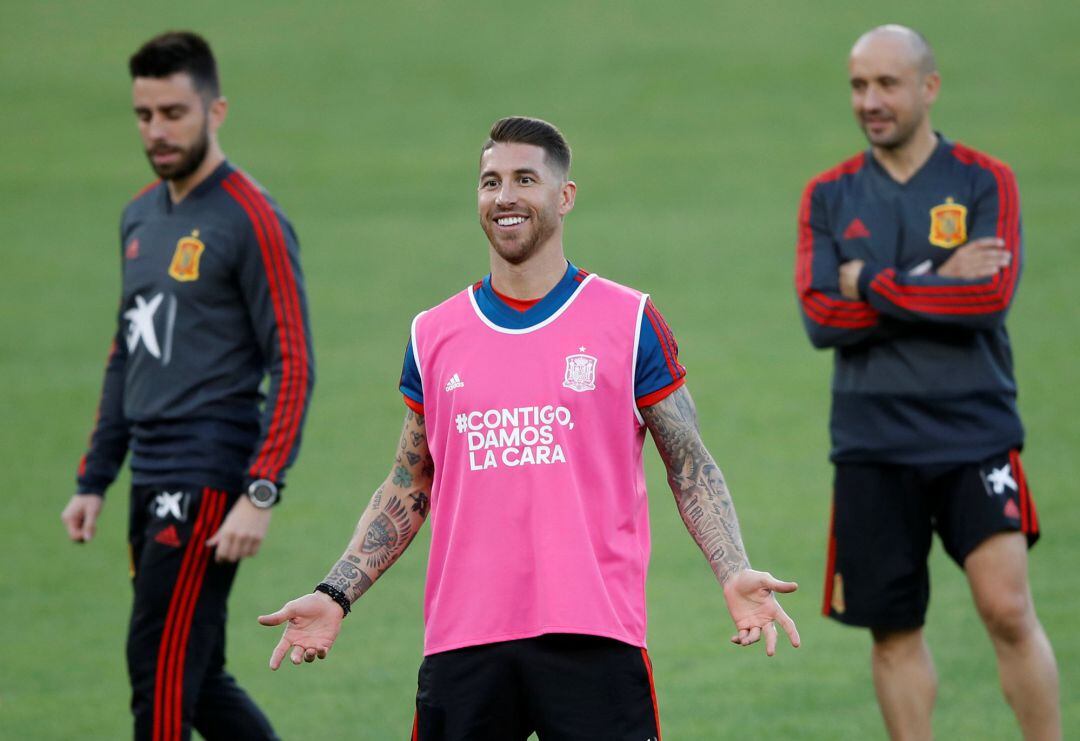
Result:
<point x="976" y="260"/>
<point x="314" y="622"/>
<point x="80" y="516"/>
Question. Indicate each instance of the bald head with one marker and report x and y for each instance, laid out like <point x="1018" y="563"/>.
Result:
<point x="901" y="40"/>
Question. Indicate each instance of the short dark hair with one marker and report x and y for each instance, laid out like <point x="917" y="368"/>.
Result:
<point x="525" y="130"/>
<point x="178" y="51"/>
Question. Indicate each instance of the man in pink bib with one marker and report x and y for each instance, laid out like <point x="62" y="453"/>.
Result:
<point x="528" y="398"/>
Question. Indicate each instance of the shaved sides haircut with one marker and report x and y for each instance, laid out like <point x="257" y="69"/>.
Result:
<point x="921" y="52"/>
<point x="534" y="131"/>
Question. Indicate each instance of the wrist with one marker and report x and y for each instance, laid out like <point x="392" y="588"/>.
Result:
<point x="336" y="595"/>
<point x="866" y="276"/>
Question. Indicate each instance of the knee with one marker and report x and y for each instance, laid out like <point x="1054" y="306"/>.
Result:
<point x="1009" y="618"/>
<point x="897" y="646"/>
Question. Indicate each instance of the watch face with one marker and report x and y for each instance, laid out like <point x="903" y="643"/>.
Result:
<point x="263" y="493"/>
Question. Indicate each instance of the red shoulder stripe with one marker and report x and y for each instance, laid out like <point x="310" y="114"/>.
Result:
<point x="820" y="307"/>
<point x="297" y="400"/>
<point x="285" y="420"/>
<point x="670" y="352"/>
<point x="297" y="388"/>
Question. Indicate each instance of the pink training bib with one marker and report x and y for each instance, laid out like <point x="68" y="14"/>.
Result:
<point x="538" y="510"/>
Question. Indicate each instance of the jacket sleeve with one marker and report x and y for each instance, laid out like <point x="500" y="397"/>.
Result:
<point x="109" y="438"/>
<point x="977" y="304"/>
<point x="272" y="285"/>
<point x="830" y="319"/>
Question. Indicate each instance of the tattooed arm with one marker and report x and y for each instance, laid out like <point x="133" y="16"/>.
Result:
<point x="386" y="527"/>
<point x="709" y="515"/>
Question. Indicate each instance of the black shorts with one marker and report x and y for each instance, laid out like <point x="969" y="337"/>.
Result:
<point x="561" y="687"/>
<point x="883" y="519"/>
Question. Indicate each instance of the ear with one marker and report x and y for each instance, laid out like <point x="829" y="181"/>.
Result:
<point x="568" y="194"/>
<point x="931" y="87"/>
<point x="219" y="109"/>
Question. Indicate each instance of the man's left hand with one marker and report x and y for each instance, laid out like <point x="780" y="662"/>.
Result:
<point x="849" y="279"/>
<point x="242" y="532"/>
<point x="753" y="607"/>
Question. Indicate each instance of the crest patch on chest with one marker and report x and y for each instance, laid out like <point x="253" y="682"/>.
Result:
<point x="580" y="372"/>
<point x="185" y="261"/>
<point x="948" y="224"/>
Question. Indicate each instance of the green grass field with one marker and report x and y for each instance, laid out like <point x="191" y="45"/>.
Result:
<point x="695" y="126"/>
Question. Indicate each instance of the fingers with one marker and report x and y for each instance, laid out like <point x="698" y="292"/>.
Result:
<point x="232" y="547"/>
<point x="296" y="655"/>
<point x="985" y="243"/>
<point x="89" y="526"/>
<point x="770" y="639"/>
<point x="279" y="653"/>
<point x="73" y="524"/>
<point x="789" y="627"/>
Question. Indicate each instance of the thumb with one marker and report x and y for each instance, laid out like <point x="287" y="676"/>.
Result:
<point x="213" y="541"/>
<point x="276" y="618"/>
<point x="783" y="587"/>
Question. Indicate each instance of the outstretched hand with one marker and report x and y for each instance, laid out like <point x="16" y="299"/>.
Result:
<point x="752" y="603"/>
<point x="314" y="622"/>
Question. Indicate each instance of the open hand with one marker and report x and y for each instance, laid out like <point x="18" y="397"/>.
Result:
<point x="753" y="607"/>
<point x="314" y="622"/>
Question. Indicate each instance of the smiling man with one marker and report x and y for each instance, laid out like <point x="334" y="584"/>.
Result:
<point x="528" y="395"/>
<point x="908" y="258"/>
<point x="212" y="302"/>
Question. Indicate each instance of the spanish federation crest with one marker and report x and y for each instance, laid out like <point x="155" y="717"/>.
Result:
<point x="185" y="261"/>
<point x="948" y="225"/>
<point x="580" y="372"/>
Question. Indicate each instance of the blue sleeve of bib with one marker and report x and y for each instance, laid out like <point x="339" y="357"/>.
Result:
<point x="658" y="371"/>
<point x="410" y="385"/>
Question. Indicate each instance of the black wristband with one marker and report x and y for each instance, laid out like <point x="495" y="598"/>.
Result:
<point x="335" y="594"/>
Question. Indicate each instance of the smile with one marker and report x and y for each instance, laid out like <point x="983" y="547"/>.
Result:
<point x="510" y="220"/>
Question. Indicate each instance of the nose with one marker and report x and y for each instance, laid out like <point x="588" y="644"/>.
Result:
<point x="506" y="195"/>
<point x="155" y="127"/>
<point x="871" y="99"/>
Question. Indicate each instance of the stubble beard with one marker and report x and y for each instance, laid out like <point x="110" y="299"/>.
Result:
<point x="190" y="161"/>
<point x="519" y="252"/>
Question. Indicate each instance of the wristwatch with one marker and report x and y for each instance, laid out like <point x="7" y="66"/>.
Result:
<point x="263" y="493"/>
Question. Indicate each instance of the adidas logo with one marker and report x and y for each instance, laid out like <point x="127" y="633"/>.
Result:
<point x="856" y="230"/>
<point x="168" y="537"/>
<point x="455" y="382"/>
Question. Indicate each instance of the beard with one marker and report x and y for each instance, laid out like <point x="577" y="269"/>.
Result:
<point x="517" y="251"/>
<point x="190" y="158"/>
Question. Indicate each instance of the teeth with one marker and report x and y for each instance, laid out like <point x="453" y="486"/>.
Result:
<point x="510" y="220"/>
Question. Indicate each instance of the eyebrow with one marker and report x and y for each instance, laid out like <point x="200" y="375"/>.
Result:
<point x="519" y="171"/>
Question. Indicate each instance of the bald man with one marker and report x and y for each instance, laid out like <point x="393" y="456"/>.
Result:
<point x="908" y="259"/>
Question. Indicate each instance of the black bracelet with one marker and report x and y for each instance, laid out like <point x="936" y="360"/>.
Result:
<point x="335" y="594"/>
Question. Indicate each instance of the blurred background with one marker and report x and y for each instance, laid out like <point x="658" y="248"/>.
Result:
<point x="695" y="126"/>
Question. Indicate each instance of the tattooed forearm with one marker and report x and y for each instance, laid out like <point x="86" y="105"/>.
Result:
<point x="392" y="518"/>
<point x="700" y="492"/>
